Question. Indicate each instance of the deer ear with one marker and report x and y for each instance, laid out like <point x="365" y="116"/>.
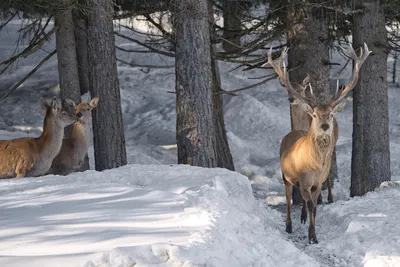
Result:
<point x="339" y="107"/>
<point x="44" y="103"/>
<point x="94" y="102"/>
<point x="54" y="103"/>
<point x="69" y="103"/>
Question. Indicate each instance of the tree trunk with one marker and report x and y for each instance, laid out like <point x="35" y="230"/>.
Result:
<point x="108" y="128"/>
<point x="308" y="55"/>
<point x="224" y="156"/>
<point x="232" y="25"/>
<point x="82" y="58"/>
<point x="81" y="49"/>
<point x="67" y="61"/>
<point x="370" y="165"/>
<point x="195" y="128"/>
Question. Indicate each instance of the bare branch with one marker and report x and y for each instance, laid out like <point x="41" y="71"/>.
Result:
<point x="145" y="45"/>
<point x="29" y="74"/>
<point x="145" y="66"/>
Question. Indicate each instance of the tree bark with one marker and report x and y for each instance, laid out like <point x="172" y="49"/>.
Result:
<point x="196" y="141"/>
<point x="81" y="49"/>
<point x="108" y="128"/>
<point x="82" y="58"/>
<point x="370" y="165"/>
<point x="308" y="55"/>
<point x="66" y="56"/>
<point x="232" y="25"/>
<point x="224" y="156"/>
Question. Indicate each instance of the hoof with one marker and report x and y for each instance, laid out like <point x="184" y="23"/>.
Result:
<point x="303" y="217"/>
<point x="319" y="200"/>
<point x="313" y="240"/>
<point x="289" y="228"/>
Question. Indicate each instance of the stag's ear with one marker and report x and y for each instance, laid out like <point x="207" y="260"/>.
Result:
<point x="44" y="103"/>
<point x="339" y="107"/>
<point x="54" y="103"/>
<point x="304" y="106"/>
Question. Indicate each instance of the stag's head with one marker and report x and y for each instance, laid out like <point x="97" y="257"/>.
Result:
<point x="322" y="115"/>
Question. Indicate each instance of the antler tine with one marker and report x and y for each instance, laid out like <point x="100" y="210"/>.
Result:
<point x="337" y="89"/>
<point x="284" y="75"/>
<point x="358" y="61"/>
<point x="312" y="99"/>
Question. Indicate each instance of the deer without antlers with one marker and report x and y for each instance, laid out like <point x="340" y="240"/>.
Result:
<point x="75" y="148"/>
<point x="306" y="156"/>
<point x="33" y="156"/>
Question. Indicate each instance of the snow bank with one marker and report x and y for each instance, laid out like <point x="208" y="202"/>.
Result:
<point x="166" y="215"/>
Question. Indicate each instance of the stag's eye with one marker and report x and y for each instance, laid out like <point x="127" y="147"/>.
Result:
<point x="314" y="115"/>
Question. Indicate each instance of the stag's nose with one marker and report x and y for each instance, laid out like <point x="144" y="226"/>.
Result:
<point x="79" y="114"/>
<point x="325" y="126"/>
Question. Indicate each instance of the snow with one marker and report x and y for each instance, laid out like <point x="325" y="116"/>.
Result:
<point x="155" y="213"/>
<point x="150" y="214"/>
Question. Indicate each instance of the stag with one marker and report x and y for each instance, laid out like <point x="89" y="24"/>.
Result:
<point x="306" y="156"/>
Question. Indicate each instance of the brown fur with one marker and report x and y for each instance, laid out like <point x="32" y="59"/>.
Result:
<point x="305" y="163"/>
<point x="33" y="156"/>
<point x="75" y="148"/>
<point x="328" y="181"/>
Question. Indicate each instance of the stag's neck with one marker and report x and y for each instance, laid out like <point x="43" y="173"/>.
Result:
<point x="321" y="146"/>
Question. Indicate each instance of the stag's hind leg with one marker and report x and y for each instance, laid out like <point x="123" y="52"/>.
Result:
<point x="288" y="193"/>
<point x="329" y="183"/>
<point x="304" y="212"/>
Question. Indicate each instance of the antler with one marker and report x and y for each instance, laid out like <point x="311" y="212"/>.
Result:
<point x="358" y="61"/>
<point x="284" y="75"/>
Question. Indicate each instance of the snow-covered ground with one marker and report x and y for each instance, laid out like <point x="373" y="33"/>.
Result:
<point x="155" y="213"/>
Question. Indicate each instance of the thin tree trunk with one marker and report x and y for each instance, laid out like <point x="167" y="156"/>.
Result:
<point x="308" y="55"/>
<point x="196" y="141"/>
<point x="81" y="49"/>
<point x="108" y="128"/>
<point x="67" y="61"/>
<point x="232" y="25"/>
<point x="370" y="165"/>
<point x="224" y="156"/>
<point x="81" y="44"/>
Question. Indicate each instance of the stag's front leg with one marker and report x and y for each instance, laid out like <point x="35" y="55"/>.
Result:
<point x="315" y="192"/>
<point x="288" y="193"/>
<point x="311" y="199"/>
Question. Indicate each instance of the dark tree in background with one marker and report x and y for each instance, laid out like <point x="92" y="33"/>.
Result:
<point x="66" y="56"/>
<point x="224" y="156"/>
<point x="195" y="128"/>
<point x="108" y="128"/>
<point x="370" y="165"/>
<point x="79" y="19"/>
<point x="232" y="24"/>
